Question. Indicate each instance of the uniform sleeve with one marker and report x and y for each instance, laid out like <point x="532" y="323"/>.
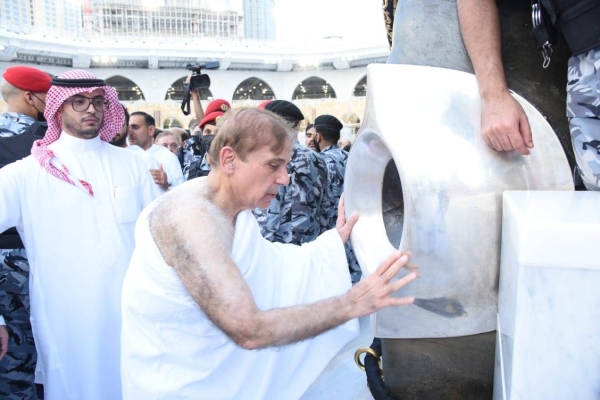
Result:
<point x="10" y="195"/>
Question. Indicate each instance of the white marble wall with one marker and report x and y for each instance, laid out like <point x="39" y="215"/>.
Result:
<point x="549" y="298"/>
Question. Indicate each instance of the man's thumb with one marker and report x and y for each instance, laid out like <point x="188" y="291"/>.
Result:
<point x="160" y="167"/>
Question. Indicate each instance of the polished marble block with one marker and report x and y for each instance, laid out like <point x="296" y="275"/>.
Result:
<point x="549" y="297"/>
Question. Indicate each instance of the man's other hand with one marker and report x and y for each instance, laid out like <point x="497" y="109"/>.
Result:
<point x="344" y="226"/>
<point x="160" y="177"/>
<point x="504" y="125"/>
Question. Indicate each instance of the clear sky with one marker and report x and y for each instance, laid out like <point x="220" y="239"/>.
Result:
<point x="352" y="19"/>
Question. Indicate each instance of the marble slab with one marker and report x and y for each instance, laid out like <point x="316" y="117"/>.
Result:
<point x="549" y="297"/>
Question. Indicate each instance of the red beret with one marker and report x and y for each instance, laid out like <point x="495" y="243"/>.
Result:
<point x="210" y="118"/>
<point x="264" y="104"/>
<point x="28" y="78"/>
<point x="217" y="105"/>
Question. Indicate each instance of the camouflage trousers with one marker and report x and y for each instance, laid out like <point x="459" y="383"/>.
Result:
<point x="583" y="111"/>
<point x="17" y="368"/>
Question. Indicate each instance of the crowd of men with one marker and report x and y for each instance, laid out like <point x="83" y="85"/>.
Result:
<point x="97" y="307"/>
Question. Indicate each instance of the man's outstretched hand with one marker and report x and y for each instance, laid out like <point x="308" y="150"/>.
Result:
<point x="375" y="291"/>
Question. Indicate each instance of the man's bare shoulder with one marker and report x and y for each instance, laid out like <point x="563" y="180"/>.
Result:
<point x="187" y="215"/>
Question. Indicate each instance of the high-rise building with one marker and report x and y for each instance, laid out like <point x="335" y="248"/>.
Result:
<point x="259" y="19"/>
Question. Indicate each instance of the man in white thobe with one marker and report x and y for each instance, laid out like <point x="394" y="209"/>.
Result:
<point x="75" y="202"/>
<point x="211" y="309"/>
<point x="141" y="133"/>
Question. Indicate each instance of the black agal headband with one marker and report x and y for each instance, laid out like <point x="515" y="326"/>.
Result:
<point x="77" y="82"/>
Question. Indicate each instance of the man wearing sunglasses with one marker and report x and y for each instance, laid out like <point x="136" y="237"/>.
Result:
<point x="75" y="201"/>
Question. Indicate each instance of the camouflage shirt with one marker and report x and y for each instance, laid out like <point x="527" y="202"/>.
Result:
<point x="18" y="365"/>
<point x="13" y="123"/>
<point x="299" y="212"/>
<point x="336" y="167"/>
<point x="583" y="110"/>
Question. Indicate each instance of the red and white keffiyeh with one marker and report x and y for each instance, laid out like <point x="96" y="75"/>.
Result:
<point x="114" y="118"/>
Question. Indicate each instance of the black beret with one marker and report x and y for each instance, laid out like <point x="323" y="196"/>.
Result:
<point x="285" y="109"/>
<point x="329" y="121"/>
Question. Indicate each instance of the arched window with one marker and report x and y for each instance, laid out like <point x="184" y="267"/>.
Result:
<point x="360" y="90"/>
<point x="171" y="122"/>
<point x="314" y="88"/>
<point x="127" y="90"/>
<point x="253" y="89"/>
<point x="176" y="91"/>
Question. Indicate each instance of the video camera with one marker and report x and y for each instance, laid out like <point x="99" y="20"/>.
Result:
<point x="199" y="80"/>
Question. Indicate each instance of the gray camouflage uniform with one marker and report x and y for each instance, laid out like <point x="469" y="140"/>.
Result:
<point x="583" y="111"/>
<point x="299" y="212"/>
<point x="17" y="368"/>
<point x="335" y="159"/>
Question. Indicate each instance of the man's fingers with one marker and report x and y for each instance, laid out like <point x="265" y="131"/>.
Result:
<point x="388" y="262"/>
<point x="405" y="280"/>
<point x="393" y="270"/>
<point x="403" y="301"/>
<point x="526" y="131"/>
<point x="341" y="206"/>
<point x="518" y="144"/>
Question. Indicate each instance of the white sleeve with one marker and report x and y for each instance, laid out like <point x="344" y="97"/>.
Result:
<point x="2" y="320"/>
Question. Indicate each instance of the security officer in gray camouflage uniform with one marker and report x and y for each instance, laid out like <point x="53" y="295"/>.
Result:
<point x="325" y="140"/>
<point x="24" y="91"/>
<point x="299" y="212"/>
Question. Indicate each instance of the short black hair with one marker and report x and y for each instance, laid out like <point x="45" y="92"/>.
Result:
<point x="330" y="134"/>
<point x="148" y="119"/>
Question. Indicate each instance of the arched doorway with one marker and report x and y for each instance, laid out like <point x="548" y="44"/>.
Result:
<point x="127" y="90"/>
<point x="360" y="90"/>
<point x="253" y="89"/>
<point x="314" y="88"/>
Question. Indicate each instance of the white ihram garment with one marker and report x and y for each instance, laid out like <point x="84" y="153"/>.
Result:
<point x="170" y="164"/>
<point x="79" y="248"/>
<point x="170" y="350"/>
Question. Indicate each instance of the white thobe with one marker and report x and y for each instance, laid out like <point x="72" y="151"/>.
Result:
<point x="170" y="164"/>
<point x="79" y="248"/>
<point x="170" y="350"/>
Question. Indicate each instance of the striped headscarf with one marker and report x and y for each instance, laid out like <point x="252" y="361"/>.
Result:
<point x="114" y="118"/>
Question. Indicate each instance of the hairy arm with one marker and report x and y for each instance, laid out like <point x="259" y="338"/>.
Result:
<point x="201" y="259"/>
<point x="504" y="125"/>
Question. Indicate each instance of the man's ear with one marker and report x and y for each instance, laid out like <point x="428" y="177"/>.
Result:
<point x="317" y="137"/>
<point x="28" y="98"/>
<point x="227" y="159"/>
<point x="152" y="129"/>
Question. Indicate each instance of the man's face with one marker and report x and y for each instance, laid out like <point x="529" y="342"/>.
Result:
<point x="310" y="135"/>
<point x="86" y="123"/>
<point x="139" y="133"/>
<point x="169" y="143"/>
<point x="209" y="129"/>
<point x="120" y="139"/>
<point x="260" y="176"/>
